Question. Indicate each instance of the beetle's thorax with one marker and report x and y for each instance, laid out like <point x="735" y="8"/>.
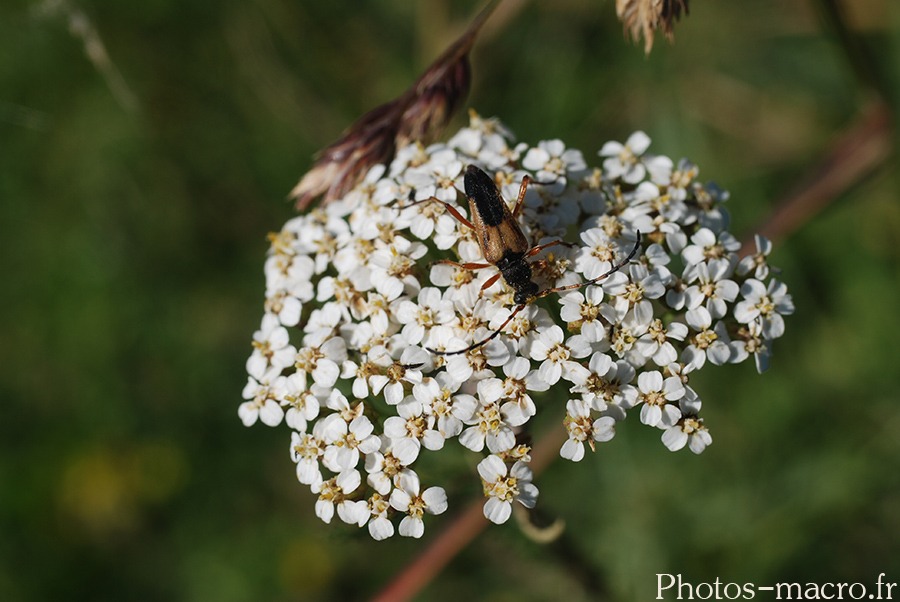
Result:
<point x="518" y="275"/>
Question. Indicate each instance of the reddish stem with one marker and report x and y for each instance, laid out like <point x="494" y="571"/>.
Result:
<point x="855" y="154"/>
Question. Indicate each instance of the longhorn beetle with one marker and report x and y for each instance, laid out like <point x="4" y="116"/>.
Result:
<point x="504" y="246"/>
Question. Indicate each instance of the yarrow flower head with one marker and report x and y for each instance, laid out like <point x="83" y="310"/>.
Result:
<point x="375" y="358"/>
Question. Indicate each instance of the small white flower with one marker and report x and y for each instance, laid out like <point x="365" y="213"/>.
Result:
<point x="288" y="277"/>
<point x="307" y="451"/>
<point x="606" y="386"/>
<point x="502" y="487"/>
<point x="750" y="342"/>
<point x="582" y="428"/>
<point x="489" y="424"/>
<point x="624" y="161"/>
<point x="322" y="361"/>
<point x="383" y="467"/>
<point x="396" y="373"/>
<point x="641" y="284"/>
<point x="555" y="356"/>
<point x="708" y="200"/>
<point x="628" y="330"/>
<point x="440" y="399"/>
<point x="520" y="379"/>
<point x="380" y="526"/>
<point x="525" y="327"/>
<point x="476" y="363"/>
<point x="655" y="344"/>
<point x="429" y="311"/>
<point x="707" y="342"/>
<point x="271" y="348"/>
<point x="406" y="498"/>
<point x="712" y="287"/>
<point x="705" y="244"/>
<point x="766" y="305"/>
<point x="321" y="324"/>
<point x="302" y="405"/>
<point x="655" y="395"/>
<point x="347" y="440"/>
<point x="437" y="178"/>
<point x="337" y="492"/>
<point x="285" y="307"/>
<point x="757" y="262"/>
<point x="408" y="430"/>
<point x="583" y="308"/>
<point x="392" y="267"/>
<point x="688" y="431"/>
<point x="598" y="255"/>
<point x="551" y="160"/>
<point x="263" y="404"/>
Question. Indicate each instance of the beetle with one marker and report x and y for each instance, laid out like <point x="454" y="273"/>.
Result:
<point x="504" y="246"/>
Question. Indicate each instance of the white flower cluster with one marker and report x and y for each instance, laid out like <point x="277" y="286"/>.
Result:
<point x="353" y="308"/>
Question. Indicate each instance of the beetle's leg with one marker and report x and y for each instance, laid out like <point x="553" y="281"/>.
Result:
<point x="535" y="250"/>
<point x="613" y="270"/>
<point x="465" y="266"/>
<point x="525" y="182"/>
<point x="489" y="282"/>
<point x="450" y="208"/>
<point x="492" y="336"/>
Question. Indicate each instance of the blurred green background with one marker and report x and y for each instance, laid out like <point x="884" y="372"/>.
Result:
<point x="136" y="190"/>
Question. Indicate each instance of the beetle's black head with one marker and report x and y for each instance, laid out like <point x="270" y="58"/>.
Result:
<point x="524" y="294"/>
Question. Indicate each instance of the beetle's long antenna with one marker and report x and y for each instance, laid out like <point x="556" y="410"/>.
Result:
<point x="613" y="270"/>
<point x="485" y="341"/>
<point x="493" y="335"/>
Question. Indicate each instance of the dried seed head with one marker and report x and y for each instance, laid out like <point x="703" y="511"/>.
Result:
<point x="420" y="113"/>
<point x="644" y="16"/>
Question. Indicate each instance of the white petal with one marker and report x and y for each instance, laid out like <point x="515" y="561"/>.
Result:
<point x="649" y="382"/>
<point x="611" y="148"/>
<point x="673" y="388"/>
<point x="699" y="441"/>
<point x="719" y="353"/>
<point x="650" y="415"/>
<point x="354" y="512"/>
<point x="271" y="414"/>
<point x="433" y="440"/>
<point x="472" y="438"/>
<point x="550" y="372"/>
<point x="674" y="438"/>
<point x="638" y="142"/>
<point x="698" y="318"/>
<point x="406" y="450"/>
<point x="572" y="450"/>
<point x="491" y="468"/>
<point x="411" y="527"/>
<point x="308" y="472"/>
<point x="501" y="441"/>
<point x="528" y="495"/>
<point x="248" y="413"/>
<point x="400" y="500"/>
<point x="604" y="428"/>
<point x="435" y="500"/>
<point x="348" y="480"/>
<point x="497" y="511"/>
<point x="380" y="528"/>
<point x="324" y="510"/>
<point x="326" y="373"/>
